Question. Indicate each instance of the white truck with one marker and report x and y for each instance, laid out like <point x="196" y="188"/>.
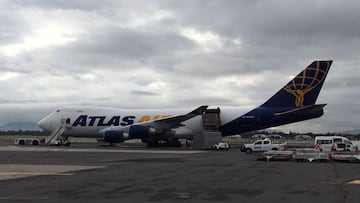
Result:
<point x="335" y="143"/>
<point x="221" y="146"/>
<point x="261" y="146"/>
<point x="28" y="141"/>
<point x="37" y="141"/>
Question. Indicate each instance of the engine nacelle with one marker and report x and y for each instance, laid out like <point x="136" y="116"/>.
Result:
<point x="133" y="132"/>
<point x="115" y="136"/>
<point x="139" y="131"/>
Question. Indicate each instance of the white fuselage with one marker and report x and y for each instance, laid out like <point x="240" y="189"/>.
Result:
<point x="89" y="121"/>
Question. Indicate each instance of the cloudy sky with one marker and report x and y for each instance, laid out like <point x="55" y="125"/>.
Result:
<point x="175" y="53"/>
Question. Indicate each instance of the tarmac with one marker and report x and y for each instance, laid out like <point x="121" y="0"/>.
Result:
<point x="88" y="173"/>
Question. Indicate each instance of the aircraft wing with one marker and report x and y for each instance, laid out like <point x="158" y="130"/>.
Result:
<point x="173" y="122"/>
<point x="164" y="123"/>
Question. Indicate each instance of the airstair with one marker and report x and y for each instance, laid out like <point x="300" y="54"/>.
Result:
<point x="56" y="135"/>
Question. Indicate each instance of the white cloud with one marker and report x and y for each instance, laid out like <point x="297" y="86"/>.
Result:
<point x="48" y="35"/>
<point x="146" y="18"/>
<point x="44" y="29"/>
<point x="208" y="41"/>
<point x="8" y="75"/>
<point x="237" y="41"/>
<point x="87" y="76"/>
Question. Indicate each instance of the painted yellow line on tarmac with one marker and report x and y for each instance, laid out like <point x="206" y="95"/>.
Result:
<point x="9" y="173"/>
<point x="354" y="182"/>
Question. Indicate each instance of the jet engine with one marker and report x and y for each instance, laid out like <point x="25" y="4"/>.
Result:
<point x="133" y="132"/>
<point x="140" y="131"/>
<point x="115" y="136"/>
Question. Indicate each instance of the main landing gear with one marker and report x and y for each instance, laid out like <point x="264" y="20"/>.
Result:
<point x="160" y="143"/>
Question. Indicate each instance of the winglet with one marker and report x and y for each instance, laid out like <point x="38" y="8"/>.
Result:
<point x="198" y="111"/>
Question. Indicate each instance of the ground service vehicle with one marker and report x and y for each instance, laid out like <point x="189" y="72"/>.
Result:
<point x="222" y="146"/>
<point x="37" y="141"/>
<point x="261" y="146"/>
<point x="28" y="141"/>
<point x="335" y="143"/>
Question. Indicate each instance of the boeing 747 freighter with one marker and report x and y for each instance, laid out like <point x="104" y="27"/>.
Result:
<point x="296" y="101"/>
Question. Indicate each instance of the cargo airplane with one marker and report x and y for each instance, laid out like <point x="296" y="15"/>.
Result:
<point x="292" y="103"/>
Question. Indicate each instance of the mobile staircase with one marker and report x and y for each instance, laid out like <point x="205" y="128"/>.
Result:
<point x="56" y="138"/>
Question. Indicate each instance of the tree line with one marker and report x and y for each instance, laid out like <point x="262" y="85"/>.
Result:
<point x="23" y="132"/>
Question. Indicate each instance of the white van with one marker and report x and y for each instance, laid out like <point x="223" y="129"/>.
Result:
<point x="326" y="143"/>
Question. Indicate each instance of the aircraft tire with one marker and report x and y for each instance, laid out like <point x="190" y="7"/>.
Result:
<point x="172" y="143"/>
<point x="153" y="144"/>
<point x="175" y="143"/>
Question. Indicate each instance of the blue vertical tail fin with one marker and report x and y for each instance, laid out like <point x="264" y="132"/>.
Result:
<point x="303" y="89"/>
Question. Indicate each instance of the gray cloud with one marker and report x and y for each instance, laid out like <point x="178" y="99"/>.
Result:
<point x="175" y="54"/>
<point x="122" y="44"/>
<point x="143" y="93"/>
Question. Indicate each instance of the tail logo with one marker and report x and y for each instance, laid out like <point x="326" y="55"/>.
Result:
<point x="306" y="81"/>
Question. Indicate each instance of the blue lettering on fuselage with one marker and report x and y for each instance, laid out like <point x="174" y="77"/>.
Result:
<point x="85" y="120"/>
<point x="99" y="118"/>
<point x="81" y="120"/>
<point x="128" y="120"/>
<point x="115" y="121"/>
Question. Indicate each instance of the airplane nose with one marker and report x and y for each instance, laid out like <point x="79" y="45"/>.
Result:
<point x="44" y="124"/>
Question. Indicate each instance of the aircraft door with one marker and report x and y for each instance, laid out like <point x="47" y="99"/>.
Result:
<point x="211" y="119"/>
<point x="65" y="122"/>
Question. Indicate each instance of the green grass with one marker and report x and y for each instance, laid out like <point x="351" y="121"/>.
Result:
<point x="72" y="139"/>
<point x="12" y="137"/>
